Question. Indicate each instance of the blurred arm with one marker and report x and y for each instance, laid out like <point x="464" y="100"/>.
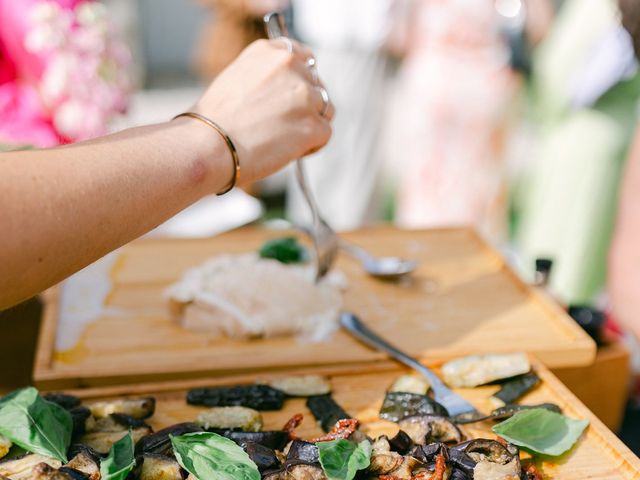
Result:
<point x="624" y="257"/>
<point x="63" y="208"/>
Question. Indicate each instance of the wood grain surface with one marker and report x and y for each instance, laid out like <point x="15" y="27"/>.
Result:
<point x="598" y="455"/>
<point x="463" y="299"/>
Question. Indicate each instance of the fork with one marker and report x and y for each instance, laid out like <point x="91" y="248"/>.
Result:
<point x="325" y="240"/>
<point x="454" y="403"/>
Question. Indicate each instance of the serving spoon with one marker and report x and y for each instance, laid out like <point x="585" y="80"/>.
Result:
<point x="454" y="403"/>
<point x="384" y="268"/>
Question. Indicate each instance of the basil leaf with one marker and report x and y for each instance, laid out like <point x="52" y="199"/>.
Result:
<point x="285" y="250"/>
<point x="341" y="459"/>
<point x="209" y="455"/>
<point x="36" y="425"/>
<point x="542" y="431"/>
<point x="120" y="460"/>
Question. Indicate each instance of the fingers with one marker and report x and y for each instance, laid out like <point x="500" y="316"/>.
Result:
<point x="321" y="103"/>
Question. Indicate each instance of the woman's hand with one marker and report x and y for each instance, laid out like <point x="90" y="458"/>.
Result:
<point x="270" y="104"/>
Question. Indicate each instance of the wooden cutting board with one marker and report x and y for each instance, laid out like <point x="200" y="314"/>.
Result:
<point x="463" y="299"/>
<point x="598" y="455"/>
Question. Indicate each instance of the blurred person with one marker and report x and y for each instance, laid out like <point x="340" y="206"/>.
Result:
<point x="585" y="89"/>
<point x="448" y="117"/>
<point x="348" y="38"/>
<point x="65" y="207"/>
<point x="624" y="255"/>
<point x="233" y="24"/>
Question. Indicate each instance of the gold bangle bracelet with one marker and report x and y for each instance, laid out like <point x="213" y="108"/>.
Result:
<point x="227" y="140"/>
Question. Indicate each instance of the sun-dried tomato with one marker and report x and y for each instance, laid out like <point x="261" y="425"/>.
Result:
<point x="342" y="429"/>
<point x="293" y="423"/>
<point x="532" y="472"/>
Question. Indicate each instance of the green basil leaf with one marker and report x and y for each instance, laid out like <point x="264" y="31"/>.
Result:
<point x="36" y="425"/>
<point x="120" y="460"/>
<point x="209" y="455"/>
<point x="341" y="459"/>
<point x="541" y="431"/>
<point x="285" y="250"/>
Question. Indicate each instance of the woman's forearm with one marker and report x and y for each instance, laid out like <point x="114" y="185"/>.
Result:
<point x="64" y="208"/>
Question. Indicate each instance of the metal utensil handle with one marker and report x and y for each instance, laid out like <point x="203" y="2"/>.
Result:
<point x="362" y="332"/>
<point x="276" y="27"/>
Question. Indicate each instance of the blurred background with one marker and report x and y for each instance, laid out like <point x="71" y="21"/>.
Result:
<point x="513" y="116"/>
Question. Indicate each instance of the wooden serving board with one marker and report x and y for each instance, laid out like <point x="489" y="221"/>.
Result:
<point x="598" y="455"/>
<point x="463" y="299"/>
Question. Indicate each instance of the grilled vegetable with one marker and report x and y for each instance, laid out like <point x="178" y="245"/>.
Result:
<point x="305" y="452"/>
<point x="101" y="442"/>
<point x="230" y="418"/>
<point x="43" y="471"/>
<point x="264" y="457"/>
<point x="326" y="411"/>
<point x="159" y="442"/>
<point x="302" y="386"/>
<point x="476" y="370"/>
<point x="483" y="459"/>
<point x="398" y="405"/>
<point x="82" y="419"/>
<point x="274" y="439"/>
<point x="5" y="446"/>
<point x="20" y="468"/>
<point x="65" y="401"/>
<point x="133" y="407"/>
<point x="515" y="388"/>
<point x="296" y="472"/>
<point x="505" y="412"/>
<point x="430" y="428"/>
<point x="259" y="397"/>
<point x="154" y="466"/>
<point x="411" y="384"/>
<point x="401" y="443"/>
<point x="87" y="462"/>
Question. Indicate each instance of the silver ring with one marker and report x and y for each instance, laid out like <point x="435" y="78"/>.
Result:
<point x="325" y="101"/>
<point x="288" y="43"/>
<point x="311" y="65"/>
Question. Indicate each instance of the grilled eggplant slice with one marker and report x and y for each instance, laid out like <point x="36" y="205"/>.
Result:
<point x="302" y="386"/>
<point x="159" y="442"/>
<point x="44" y="471"/>
<point x="155" y="466"/>
<point x="411" y="384"/>
<point x="101" y="442"/>
<point x="231" y="418"/>
<point x="483" y="459"/>
<point x="258" y="397"/>
<point x="326" y="411"/>
<point x="5" y="446"/>
<point x="399" y="405"/>
<point x="274" y="439"/>
<point x="117" y="422"/>
<point x="401" y="443"/>
<point x="133" y="407"/>
<point x="425" y="429"/>
<point x="515" y="388"/>
<point x="265" y="458"/>
<point x="72" y="473"/>
<point x="65" y="401"/>
<point x="20" y="468"/>
<point x="305" y="452"/>
<point x="505" y="412"/>
<point x="82" y="419"/>
<point x="296" y="472"/>
<point x="87" y="462"/>
<point x="476" y="370"/>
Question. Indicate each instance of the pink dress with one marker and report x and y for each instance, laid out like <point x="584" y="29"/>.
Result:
<point x="447" y="123"/>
